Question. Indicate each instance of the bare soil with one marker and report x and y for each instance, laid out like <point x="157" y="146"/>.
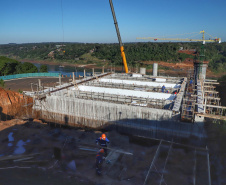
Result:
<point x="25" y="83"/>
<point x="122" y="169"/>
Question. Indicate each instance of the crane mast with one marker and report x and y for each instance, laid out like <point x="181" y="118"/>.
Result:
<point x="119" y="37"/>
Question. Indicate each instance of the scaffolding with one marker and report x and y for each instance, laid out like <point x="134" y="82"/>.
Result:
<point x="188" y="105"/>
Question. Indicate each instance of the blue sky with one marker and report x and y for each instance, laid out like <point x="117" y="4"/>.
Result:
<point x="27" y="21"/>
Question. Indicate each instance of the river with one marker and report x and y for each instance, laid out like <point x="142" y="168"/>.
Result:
<point x="67" y="70"/>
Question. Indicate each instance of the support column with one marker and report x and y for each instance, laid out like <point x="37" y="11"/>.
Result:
<point x="84" y="73"/>
<point x="155" y="69"/>
<point x="103" y="70"/>
<point x="143" y="70"/>
<point x="60" y="79"/>
<point x="39" y="84"/>
<point x="93" y="73"/>
<point x="73" y="75"/>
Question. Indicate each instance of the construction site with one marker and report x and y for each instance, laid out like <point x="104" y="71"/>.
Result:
<point x="159" y="127"/>
<point x="155" y="125"/>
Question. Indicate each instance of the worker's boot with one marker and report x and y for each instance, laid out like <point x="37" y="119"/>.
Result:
<point x="98" y="171"/>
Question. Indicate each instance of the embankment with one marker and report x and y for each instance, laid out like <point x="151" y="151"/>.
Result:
<point x="13" y="104"/>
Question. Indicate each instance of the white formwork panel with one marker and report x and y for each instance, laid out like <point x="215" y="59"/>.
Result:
<point x="125" y="92"/>
<point x="144" y="83"/>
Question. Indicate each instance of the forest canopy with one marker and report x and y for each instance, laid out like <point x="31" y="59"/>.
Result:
<point x="135" y="52"/>
<point x="10" y="66"/>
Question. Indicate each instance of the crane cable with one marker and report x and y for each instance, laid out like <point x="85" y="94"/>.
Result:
<point x="62" y="15"/>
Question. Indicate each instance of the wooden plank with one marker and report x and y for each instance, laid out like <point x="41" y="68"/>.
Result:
<point x="210" y="80"/>
<point x="209" y="86"/>
<point x="88" y="149"/>
<point x="4" y="158"/>
<point x="212" y="83"/>
<point x="211" y="98"/>
<point x="211" y="92"/>
<point x="23" y="159"/>
<point x="212" y="116"/>
<point x="213" y="106"/>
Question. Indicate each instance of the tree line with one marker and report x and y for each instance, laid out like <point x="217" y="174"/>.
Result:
<point x="135" y="52"/>
<point x="10" y="66"/>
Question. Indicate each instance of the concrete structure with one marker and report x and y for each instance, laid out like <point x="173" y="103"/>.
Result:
<point x="121" y="100"/>
<point x="200" y="69"/>
<point x="155" y="69"/>
<point x="143" y="70"/>
<point x="203" y="70"/>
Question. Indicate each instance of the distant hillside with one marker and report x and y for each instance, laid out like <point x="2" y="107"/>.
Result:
<point x="135" y="52"/>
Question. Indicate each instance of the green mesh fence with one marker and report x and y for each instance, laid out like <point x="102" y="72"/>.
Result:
<point x="26" y="75"/>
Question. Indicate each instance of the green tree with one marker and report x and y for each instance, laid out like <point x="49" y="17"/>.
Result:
<point x="7" y="66"/>
<point x="2" y="83"/>
<point x="26" y="67"/>
<point x="43" y="69"/>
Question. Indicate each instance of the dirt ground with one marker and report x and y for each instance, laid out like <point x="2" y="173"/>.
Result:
<point x="38" y="164"/>
<point x="25" y="83"/>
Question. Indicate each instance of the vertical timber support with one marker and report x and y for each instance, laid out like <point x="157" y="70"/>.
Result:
<point x="60" y="79"/>
<point x="73" y="74"/>
<point x="39" y="84"/>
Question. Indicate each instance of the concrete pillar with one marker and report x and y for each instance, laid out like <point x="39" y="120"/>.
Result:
<point x="60" y="79"/>
<point x="73" y="75"/>
<point x="39" y="83"/>
<point x="93" y="73"/>
<point x="143" y="70"/>
<point x="203" y="71"/>
<point x="84" y="73"/>
<point x="200" y="69"/>
<point x="155" y="69"/>
<point x="103" y="70"/>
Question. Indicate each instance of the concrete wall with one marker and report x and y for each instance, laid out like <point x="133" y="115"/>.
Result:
<point x="149" y="122"/>
<point x="74" y="109"/>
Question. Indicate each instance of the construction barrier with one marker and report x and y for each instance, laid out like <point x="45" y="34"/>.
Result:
<point x="27" y="75"/>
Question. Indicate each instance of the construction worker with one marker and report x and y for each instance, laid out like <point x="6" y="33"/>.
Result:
<point x="163" y="88"/>
<point x="99" y="161"/>
<point x="102" y="141"/>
